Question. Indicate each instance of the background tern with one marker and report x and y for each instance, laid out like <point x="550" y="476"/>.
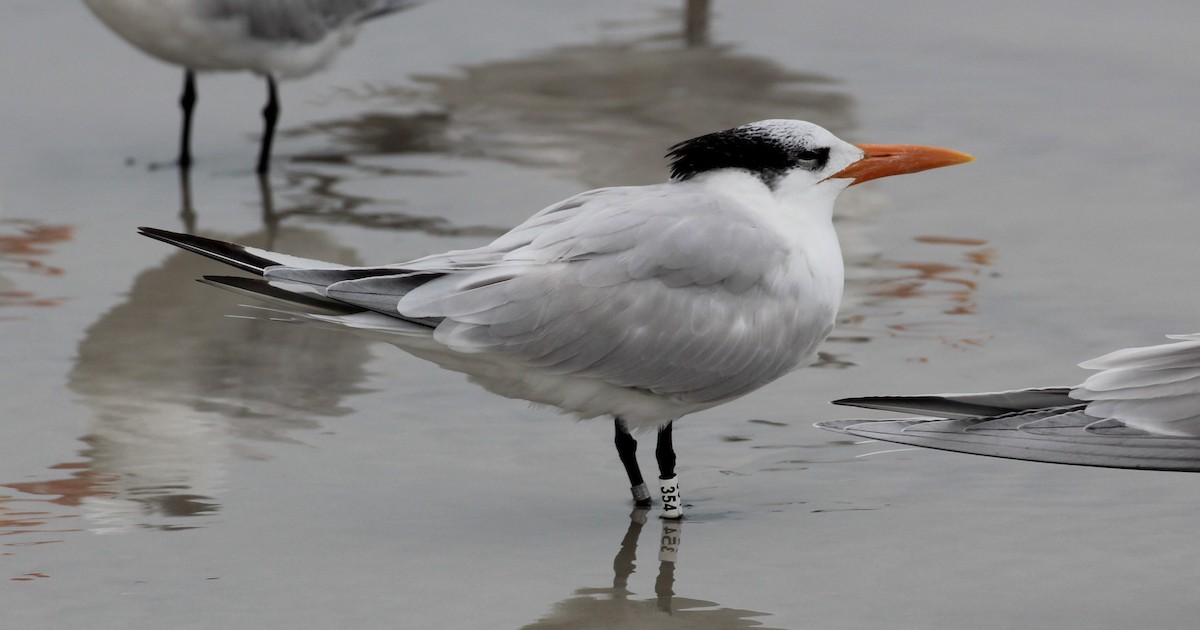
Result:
<point x="282" y="39"/>
<point x="1141" y="410"/>
<point x="645" y="303"/>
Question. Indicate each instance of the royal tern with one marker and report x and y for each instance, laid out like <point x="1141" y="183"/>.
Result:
<point x="276" y="39"/>
<point x="645" y="303"/>
<point x="1141" y="410"/>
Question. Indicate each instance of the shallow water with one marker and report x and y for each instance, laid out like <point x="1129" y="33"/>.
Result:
<point x="162" y="465"/>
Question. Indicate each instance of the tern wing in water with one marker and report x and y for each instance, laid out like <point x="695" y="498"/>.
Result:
<point x="1065" y="435"/>
<point x="966" y="405"/>
<point x="1140" y="410"/>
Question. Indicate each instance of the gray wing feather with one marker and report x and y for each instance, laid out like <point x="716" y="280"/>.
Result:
<point x="323" y="278"/>
<point x="379" y="294"/>
<point x="276" y="296"/>
<point x="1156" y="388"/>
<point x="1141" y="411"/>
<point x="1068" y="436"/>
<point x="967" y="405"/>
<point x="627" y="285"/>
<point x="299" y="20"/>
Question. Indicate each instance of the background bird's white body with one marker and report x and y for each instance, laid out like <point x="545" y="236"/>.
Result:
<point x="277" y="39"/>
<point x="282" y="39"/>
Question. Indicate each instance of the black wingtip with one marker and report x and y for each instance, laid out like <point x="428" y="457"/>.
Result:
<point x="857" y="401"/>
<point x="228" y="253"/>
<point x="156" y="233"/>
<point x="263" y="290"/>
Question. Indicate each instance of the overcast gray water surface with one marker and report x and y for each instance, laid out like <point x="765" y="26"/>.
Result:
<point x="165" y="466"/>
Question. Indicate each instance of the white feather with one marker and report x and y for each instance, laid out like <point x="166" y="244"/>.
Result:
<point x="1153" y="388"/>
<point x="647" y="303"/>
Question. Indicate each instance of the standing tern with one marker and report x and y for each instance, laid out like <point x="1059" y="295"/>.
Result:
<point x="282" y="39"/>
<point x="645" y="303"/>
<point x="1141" y="410"/>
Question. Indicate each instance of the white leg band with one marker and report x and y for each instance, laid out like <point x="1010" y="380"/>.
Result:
<point x="640" y="493"/>
<point x="672" y="502"/>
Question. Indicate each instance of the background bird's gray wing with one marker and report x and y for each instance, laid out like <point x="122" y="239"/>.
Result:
<point x="298" y="20"/>
<point x="671" y="292"/>
<point x="1059" y="436"/>
<point x="1156" y="388"/>
<point x="966" y="405"/>
<point x="1141" y="410"/>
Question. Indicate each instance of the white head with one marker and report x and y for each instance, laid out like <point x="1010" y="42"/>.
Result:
<point x="801" y="155"/>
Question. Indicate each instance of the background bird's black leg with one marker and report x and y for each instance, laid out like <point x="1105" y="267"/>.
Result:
<point x="627" y="451"/>
<point x="270" y="114"/>
<point x="668" y="481"/>
<point x="187" y="102"/>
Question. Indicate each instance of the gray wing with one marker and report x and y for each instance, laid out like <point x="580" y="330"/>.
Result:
<point x="299" y="20"/>
<point x="1059" y="436"/>
<point x="1141" y="410"/>
<point x="1156" y="388"/>
<point x="959" y="406"/>
<point x="677" y="293"/>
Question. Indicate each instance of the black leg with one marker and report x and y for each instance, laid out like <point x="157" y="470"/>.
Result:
<point x="627" y="451"/>
<point x="187" y="101"/>
<point x="270" y="115"/>
<point x="668" y="482"/>
<point x="665" y="453"/>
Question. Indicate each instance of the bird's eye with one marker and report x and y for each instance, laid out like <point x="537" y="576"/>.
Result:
<point x="812" y="159"/>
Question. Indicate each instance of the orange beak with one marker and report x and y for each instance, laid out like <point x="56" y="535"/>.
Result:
<point x="882" y="160"/>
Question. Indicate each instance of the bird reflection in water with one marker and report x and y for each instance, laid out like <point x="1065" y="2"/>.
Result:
<point x="169" y="397"/>
<point x="600" y="113"/>
<point x="603" y="111"/>
<point x="617" y="607"/>
<point x="173" y="402"/>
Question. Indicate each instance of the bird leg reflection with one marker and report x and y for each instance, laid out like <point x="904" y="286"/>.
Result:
<point x="267" y="197"/>
<point x="695" y="22"/>
<point x="664" y="453"/>
<point x="626" y="560"/>
<point x="187" y="213"/>
<point x="668" y="550"/>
